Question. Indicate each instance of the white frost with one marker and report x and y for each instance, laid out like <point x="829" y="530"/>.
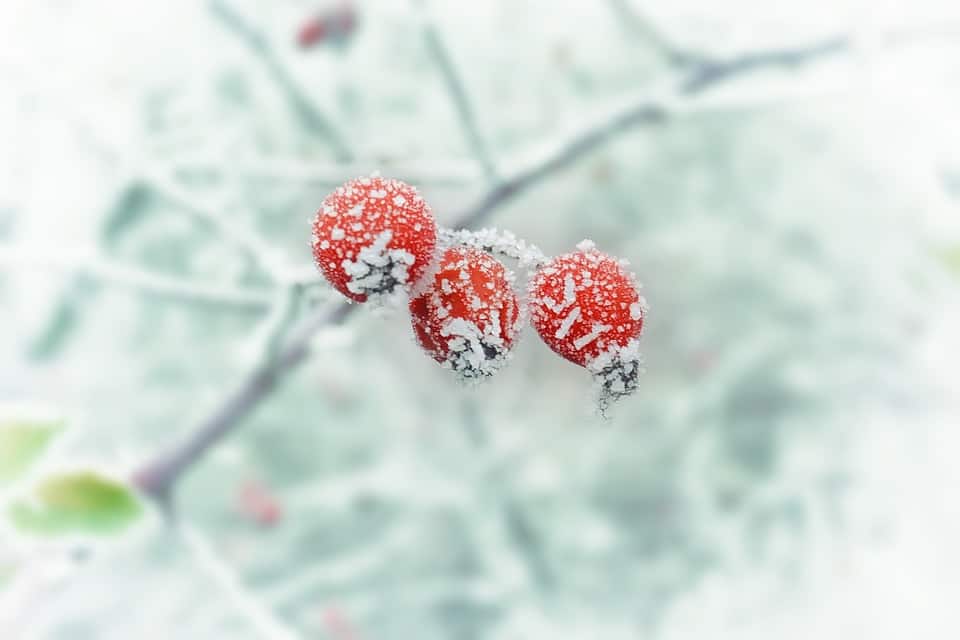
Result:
<point x="595" y="333"/>
<point x="567" y="323"/>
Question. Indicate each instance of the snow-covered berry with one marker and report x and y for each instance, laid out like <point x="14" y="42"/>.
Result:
<point x="372" y="235"/>
<point x="588" y="309"/>
<point x="468" y="317"/>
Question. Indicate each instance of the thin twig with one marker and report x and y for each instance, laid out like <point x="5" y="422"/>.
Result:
<point x="434" y="174"/>
<point x="230" y="231"/>
<point x="458" y="94"/>
<point x="645" y="111"/>
<point x="312" y="118"/>
<point x="108" y="271"/>
<point x="158" y="477"/>
<point x="712" y="72"/>
<point x="264" y="621"/>
<point x="145" y="177"/>
<point x="639" y="25"/>
<point x="284" y="316"/>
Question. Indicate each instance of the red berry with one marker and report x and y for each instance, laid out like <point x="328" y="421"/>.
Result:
<point x="336" y="25"/>
<point x="468" y="317"/>
<point x="373" y="235"/>
<point x="311" y="32"/>
<point x="589" y="310"/>
<point x="259" y="504"/>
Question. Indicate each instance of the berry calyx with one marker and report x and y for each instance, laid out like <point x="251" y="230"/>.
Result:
<point x="468" y="316"/>
<point x="588" y="309"/>
<point x="372" y="236"/>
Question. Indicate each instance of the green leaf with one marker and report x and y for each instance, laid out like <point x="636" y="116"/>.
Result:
<point x="950" y="258"/>
<point x="81" y="502"/>
<point x="21" y="443"/>
<point x="7" y="570"/>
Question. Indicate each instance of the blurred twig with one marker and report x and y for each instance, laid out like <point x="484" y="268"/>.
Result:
<point x="230" y="230"/>
<point x="639" y="25"/>
<point x="264" y="621"/>
<point x="158" y="476"/>
<point x="282" y="317"/>
<point x="458" y="93"/>
<point x="307" y="112"/>
<point x="436" y="174"/>
<point x="711" y="72"/>
<point x="645" y="111"/>
<point x="144" y="177"/>
<point x="105" y="270"/>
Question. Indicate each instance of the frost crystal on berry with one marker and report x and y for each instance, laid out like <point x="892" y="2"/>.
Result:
<point x="616" y="373"/>
<point x="468" y="316"/>
<point x="373" y="236"/>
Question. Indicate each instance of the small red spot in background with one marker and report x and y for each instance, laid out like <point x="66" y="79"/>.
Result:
<point x="338" y="625"/>
<point x="257" y="503"/>
<point x="333" y="25"/>
<point x="311" y="32"/>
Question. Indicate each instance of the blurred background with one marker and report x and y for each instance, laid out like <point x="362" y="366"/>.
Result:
<point x="783" y="177"/>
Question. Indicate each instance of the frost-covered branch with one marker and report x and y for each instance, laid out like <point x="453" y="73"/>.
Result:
<point x="711" y="72"/>
<point x="230" y="230"/>
<point x="309" y="114"/>
<point x="644" y="111"/>
<point x="262" y="619"/>
<point x="108" y="271"/>
<point x="158" y="477"/>
<point x="143" y="175"/>
<point x="458" y="94"/>
<point x="639" y="25"/>
<point x="422" y="172"/>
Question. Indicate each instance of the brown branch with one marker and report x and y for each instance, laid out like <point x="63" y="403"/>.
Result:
<point x="158" y="477"/>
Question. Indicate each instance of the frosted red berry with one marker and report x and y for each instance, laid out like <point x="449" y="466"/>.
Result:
<point x="373" y="235"/>
<point x="588" y="309"/>
<point x="467" y="319"/>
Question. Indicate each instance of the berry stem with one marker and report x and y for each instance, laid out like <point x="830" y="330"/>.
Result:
<point x="491" y="240"/>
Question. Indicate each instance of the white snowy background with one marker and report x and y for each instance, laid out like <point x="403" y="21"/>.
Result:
<point x="788" y="467"/>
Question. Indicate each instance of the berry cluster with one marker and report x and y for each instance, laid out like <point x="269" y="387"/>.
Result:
<point x="374" y="236"/>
